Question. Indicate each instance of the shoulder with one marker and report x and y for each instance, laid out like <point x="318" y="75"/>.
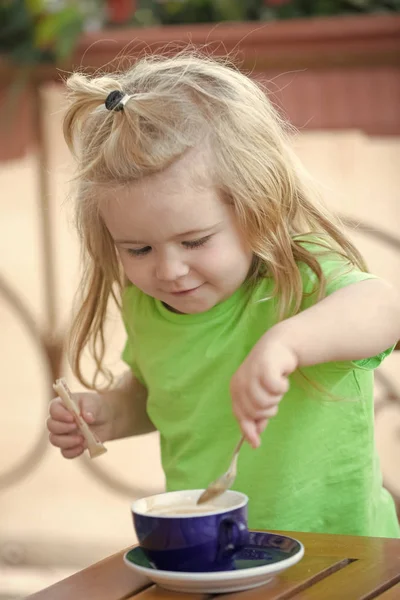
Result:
<point x="336" y="268"/>
<point x="129" y="298"/>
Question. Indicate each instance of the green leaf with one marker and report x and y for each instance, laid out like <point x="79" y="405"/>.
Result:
<point x="67" y="39"/>
<point x="67" y="24"/>
<point x="173" y="7"/>
<point x="145" y="17"/>
<point x="35" y="7"/>
<point x="231" y="10"/>
<point x="46" y="30"/>
<point x="15" y="23"/>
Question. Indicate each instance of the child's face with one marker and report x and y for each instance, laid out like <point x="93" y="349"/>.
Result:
<point x="178" y="241"/>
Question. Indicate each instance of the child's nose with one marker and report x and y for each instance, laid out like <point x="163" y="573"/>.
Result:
<point x="171" y="269"/>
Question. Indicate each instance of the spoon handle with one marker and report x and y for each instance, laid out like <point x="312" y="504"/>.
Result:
<point x="233" y="465"/>
<point x="238" y="445"/>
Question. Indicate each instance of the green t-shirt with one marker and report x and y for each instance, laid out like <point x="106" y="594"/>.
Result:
<point x="317" y="468"/>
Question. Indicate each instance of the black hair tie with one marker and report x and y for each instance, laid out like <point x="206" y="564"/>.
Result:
<point x="113" y="100"/>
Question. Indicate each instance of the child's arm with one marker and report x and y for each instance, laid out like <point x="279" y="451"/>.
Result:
<point x="355" y="322"/>
<point x="118" y="413"/>
<point x="129" y="402"/>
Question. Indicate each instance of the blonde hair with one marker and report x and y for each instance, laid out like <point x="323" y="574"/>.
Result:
<point x="176" y="104"/>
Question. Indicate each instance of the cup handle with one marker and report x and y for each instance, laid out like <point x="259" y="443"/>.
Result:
<point x="233" y="535"/>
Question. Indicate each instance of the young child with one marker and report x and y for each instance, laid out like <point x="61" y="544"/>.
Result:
<point x="246" y="308"/>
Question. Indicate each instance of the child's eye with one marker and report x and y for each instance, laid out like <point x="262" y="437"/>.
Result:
<point x="138" y="251"/>
<point x="196" y="243"/>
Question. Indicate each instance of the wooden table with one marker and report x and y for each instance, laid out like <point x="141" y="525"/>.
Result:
<point x="333" y="568"/>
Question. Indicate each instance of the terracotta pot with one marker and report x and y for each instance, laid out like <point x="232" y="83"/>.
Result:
<point x="16" y="123"/>
<point x="325" y="73"/>
<point x="119" y="11"/>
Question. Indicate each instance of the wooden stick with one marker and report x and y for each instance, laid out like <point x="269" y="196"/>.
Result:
<point x="95" y="447"/>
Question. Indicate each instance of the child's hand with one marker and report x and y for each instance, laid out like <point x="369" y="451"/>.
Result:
<point x="64" y="433"/>
<point x="260" y="383"/>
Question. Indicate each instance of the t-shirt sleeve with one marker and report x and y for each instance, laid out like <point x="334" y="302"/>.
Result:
<point x="339" y="273"/>
<point x="129" y="353"/>
<point x="128" y="356"/>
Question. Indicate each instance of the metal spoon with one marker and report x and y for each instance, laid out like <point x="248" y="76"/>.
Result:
<point x="223" y="483"/>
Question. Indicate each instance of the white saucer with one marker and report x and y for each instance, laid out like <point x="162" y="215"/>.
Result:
<point x="266" y="555"/>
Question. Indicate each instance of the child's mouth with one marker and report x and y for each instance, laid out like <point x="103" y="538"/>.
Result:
<point x="186" y="292"/>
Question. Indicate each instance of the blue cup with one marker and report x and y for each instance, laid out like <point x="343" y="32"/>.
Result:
<point x="176" y="534"/>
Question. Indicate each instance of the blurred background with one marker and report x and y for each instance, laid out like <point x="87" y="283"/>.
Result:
<point x="332" y="67"/>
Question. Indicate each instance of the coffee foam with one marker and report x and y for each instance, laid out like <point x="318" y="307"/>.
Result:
<point x="182" y="509"/>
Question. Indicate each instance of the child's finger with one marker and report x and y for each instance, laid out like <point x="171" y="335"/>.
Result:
<point x="261" y="425"/>
<point x="276" y="385"/>
<point x="249" y="430"/>
<point x="88" y="417"/>
<point x="65" y="442"/>
<point x="58" y="412"/>
<point x="60" y="427"/>
<point x="72" y="452"/>
<point x="267" y="413"/>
